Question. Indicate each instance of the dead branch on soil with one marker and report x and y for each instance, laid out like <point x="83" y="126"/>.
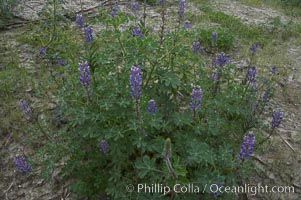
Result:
<point x="7" y="190"/>
<point x="287" y="143"/>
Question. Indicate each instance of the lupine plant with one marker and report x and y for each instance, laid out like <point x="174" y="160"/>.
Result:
<point x="161" y="108"/>
<point x="22" y="164"/>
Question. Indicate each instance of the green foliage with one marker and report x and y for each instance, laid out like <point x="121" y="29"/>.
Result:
<point x="175" y="144"/>
<point x="290" y="7"/>
<point x="235" y="25"/>
<point x="226" y="39"/>
<point x="6" y="7"/>
<point x="293" y="3"/>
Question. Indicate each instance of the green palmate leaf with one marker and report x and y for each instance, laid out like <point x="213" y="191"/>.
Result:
<point x="155" y="122"/>
<point x="145" y="166"/>
<point x="170" y="79"/>
<point x="201" y="153"/>
<point x="181" y="119"/>
<point x="179" y="166"/>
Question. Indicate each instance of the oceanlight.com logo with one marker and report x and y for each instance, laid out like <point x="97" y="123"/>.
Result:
<point x="251" y="189"/>
<point x="210" y="188"/>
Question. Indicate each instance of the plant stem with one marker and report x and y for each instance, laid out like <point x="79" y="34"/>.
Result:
<point x="88" y="95"/>
<point x="81" y="7"/>
<point x="264" y="140"/>
<point x="41" y="128"/>
<point x="54" y="16"/>
<point x="170" y="168"/>
<point x="162" y="25"/>
<point x="144" y="13"/>
<point x="137" y="109"/>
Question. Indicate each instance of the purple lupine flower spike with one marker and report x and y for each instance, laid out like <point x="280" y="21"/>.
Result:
<point x="79" y="20"/>
<point x="274" y="70"/>
<point x="277" y="118"/>
<point x="137" y="32"/>
<point x="161" y="2"/>
<point x="88" y="34"/>
<point x="135" y="82"/>
<point x="42" y="50"/>
<point x="251" y="76"/>
<point x="196" y="98"/>
<point x="84" y="73"/>
<point x="247" y="147"/>
<point x="114" y="10"/>
<point x="266" y="96"/>
<point x="214" y="38"/>
<point x="216" y="194"/>
<point x="25" y="108"/>
<point x="220" y="60"/>
<point x="152" y="107"/>
<point x="104" y="146"/>
<point x="214" y="76"/>
<point x="214" y="35"/>
<point x="254" y="48"/>
<point x="21" y="164"/>
<point x="181" y="11"/>
<point x="134" y="6"/>
<point x="196" y="46"/>
<point x="187" y="24"/>
<point x="60" y="61"/>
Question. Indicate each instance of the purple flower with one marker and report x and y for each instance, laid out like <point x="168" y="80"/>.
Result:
<point x="251" y="76"/>
<point x="220" y="60"/>
<point x="277" y="118"/>
<point x="214" y="35"/>
<point x="274" y="70"/>
<point x="153" y="29"/>
<point x="114" y="10"/>
<point x="25" y="108"/>
<point x="254" y="106"/>
<point x="79" y="20"/>
<point x="135" y="6"/>
<point x="151" y="107"/>
<point x="135" y="82"/>
<point x="196" y="46"/>
<point x="187" y="24"/>
<point x="60" y="61"/>
<point x="84" y="73"/>
<point x="196" y="98"/>
<point x="21" y="164"/>
<point x="263" y="80"/>
<point x="103" y="146"/>
<point x="88" y="32"/>
<point x="247" y="147"/>
<point x="42" y="50"/>
<point x="137" y="32"/>
<point x="253" y="48"/>
<point x="161" y="2"/>
<point x="216" y="194"/>
<point x="266" y="96"/>
<point x="214" y="76"/>
<point x="181" y="11"/>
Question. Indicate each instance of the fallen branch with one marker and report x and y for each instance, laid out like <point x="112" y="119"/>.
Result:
<point x="10" y="186"/>
<point x="22" y="22"/>
<point x="287" y="143"/>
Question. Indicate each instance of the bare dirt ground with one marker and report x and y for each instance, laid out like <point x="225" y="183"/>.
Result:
<point x="281" y="165"/>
